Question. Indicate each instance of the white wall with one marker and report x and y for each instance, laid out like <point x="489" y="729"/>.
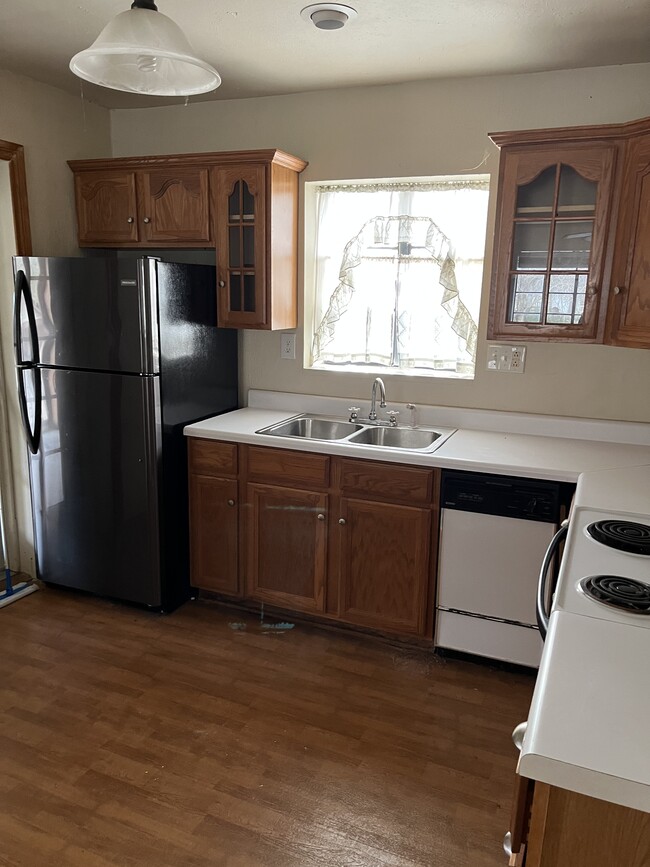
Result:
<point x="53" y="127"/>
<point x="423" y="128"/>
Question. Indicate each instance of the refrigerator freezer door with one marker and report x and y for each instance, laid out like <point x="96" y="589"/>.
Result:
<point x="95" y="486"/>
<point x="91" y="314"/>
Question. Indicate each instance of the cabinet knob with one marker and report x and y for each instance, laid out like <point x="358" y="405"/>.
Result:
<point x="342" y="521"/>
<point x="617" y="290"/>
<point x="231" y="502"/>
<point x="146" y="220"/>
<point x="320" y="516"/>
<point x="592" y="290"/>
<point x="222" y="283"/>
<point x="129" y="219"/>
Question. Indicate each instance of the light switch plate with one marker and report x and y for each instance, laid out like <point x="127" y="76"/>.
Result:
<point x="506" y="359"/>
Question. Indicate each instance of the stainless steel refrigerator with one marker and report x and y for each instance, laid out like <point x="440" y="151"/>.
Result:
<point x="113" y="357"/>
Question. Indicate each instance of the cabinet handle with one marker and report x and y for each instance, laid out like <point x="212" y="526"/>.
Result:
<point x="507" y="844"/>
<point x="342" y="521"/>
<point x="146" y="220"/>
<point x="518" y="735"/>
<point x="222" y="283"/>
<point x="617" y="290"/>
<point x="129" y="219"/>
<point x="320" y="516"/>
<point x="231" y="502"/>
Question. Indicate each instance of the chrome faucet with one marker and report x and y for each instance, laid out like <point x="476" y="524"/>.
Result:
<point x="382" y="402"/>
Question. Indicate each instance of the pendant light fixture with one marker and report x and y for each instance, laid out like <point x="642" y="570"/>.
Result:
<point x="143" y="51"/>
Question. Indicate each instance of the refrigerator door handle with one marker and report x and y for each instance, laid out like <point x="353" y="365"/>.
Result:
<point x="33" y="435"/>
<point x="22" y="292"/>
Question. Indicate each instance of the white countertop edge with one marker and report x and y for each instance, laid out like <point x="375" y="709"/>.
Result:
<point x="627" y="793"/>
<point x="600" y="430"/>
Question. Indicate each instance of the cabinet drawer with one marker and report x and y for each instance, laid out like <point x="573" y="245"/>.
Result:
<point x="211" y="458"/>
<point x="280" y="467"/>
<point x="385" y="481"/>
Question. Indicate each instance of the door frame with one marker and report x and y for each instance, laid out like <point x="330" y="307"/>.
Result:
<point x="14" y="154"/>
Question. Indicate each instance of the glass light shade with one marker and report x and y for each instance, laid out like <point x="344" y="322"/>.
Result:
<point x="143" y="51"/>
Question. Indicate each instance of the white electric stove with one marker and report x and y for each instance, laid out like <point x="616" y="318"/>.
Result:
<point x="605" y="570"/>
<point x="592" y="695"/>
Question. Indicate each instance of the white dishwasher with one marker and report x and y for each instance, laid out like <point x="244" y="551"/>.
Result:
<point x="494" y="532"/>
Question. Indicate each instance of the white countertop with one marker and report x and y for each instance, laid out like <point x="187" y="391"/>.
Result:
<point x="586" y="727"/>
<point x="560" y="458"/>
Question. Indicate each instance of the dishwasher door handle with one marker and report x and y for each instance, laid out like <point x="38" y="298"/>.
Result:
<point x="543" y="613"/>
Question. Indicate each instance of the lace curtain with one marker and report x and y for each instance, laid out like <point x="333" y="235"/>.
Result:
<point x="392" y="290"/>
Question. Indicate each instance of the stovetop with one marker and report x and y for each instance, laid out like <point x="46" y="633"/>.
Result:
<point x="601" y="581"/>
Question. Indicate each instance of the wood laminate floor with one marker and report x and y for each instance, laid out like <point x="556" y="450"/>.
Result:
<point x="128" y="738"/>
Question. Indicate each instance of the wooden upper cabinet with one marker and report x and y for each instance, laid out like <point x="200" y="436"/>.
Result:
<point x="553" y="217"/>
<point x="106" y="208"/>
<point x="243" y="202"/>
<point x="572" y="238"/>
<point x="255" y="211"/>
<point x="629" y="306"/>
<point x="240" y="229"/>
<point x="174" y="206"/>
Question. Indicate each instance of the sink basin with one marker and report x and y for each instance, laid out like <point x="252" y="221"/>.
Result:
<point x="395" y="437"/>
<point x="312" y="429"/>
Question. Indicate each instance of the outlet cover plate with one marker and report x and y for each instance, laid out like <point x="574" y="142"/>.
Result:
<point x="288" y="345"/>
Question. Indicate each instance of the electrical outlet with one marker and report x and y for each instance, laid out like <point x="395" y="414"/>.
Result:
<point x="288" y="345"/>
<point x="493" y="357"/>
<point x="517" y="359"/>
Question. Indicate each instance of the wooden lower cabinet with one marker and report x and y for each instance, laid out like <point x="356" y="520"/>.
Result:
<point x="286" y="547"/>
<point x="384" y="565"/>
<point x="351" y="540"/>
<point x="572" y="830"/>
<point x="214" y="527"/>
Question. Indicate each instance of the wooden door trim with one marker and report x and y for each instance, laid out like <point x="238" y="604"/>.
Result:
<point x="14" y="154"/>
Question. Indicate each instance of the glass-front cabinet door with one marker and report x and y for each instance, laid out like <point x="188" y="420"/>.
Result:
<point x="240" y="221"/>
<point x="552" y="222"/>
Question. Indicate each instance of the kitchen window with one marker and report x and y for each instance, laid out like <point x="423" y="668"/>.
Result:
<point x="395" y="270"/>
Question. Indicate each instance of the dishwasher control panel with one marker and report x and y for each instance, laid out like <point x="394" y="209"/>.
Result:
<point x="508" y="496"/>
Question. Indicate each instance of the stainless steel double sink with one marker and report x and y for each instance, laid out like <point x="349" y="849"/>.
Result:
<point x="312" y="427"/>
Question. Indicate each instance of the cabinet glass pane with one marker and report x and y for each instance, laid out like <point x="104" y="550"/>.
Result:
<point x="526" y="294"/>
<point x="249" y="293"/>
<point x="249" y="246"/>
<point x="572" y="245"/>
<point x="577" y="195"/>
<point x="566" y="298"/>
<point x="234" y="203"/>
<point x="235" y="292"/>
<point x="234" y="250"/>
<point x="530" y="246"/>
<point x="536" y="198"/>
<point x="248" y="203"/>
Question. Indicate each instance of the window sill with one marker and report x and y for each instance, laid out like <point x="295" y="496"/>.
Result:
<point x="378" y="370"/>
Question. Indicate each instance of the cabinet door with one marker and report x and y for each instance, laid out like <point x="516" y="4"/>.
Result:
<point x="240" y="230"/>
<point x="549" y="255"/>
<point x="286" y="547"/>
<point x="629" y="300"/>
<point x="384" y="565"/>
<point x="106" y="208"/>
<point x="214" y="533"/>
<point x="174" y="206"/>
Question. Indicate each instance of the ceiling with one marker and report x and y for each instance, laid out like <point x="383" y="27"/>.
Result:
<point x="264" y="47"/>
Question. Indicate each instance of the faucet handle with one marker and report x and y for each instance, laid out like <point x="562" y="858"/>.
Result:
<point x="354" y="412"/>
<point x="392" y="417"/>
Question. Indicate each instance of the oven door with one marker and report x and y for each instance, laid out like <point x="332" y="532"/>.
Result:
<point x="548" y="578"/>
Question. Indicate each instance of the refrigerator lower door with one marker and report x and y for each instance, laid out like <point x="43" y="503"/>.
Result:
<point x="95" y="484"/>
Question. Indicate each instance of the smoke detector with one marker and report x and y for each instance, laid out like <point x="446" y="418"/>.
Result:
<point x="328" y="16"/>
